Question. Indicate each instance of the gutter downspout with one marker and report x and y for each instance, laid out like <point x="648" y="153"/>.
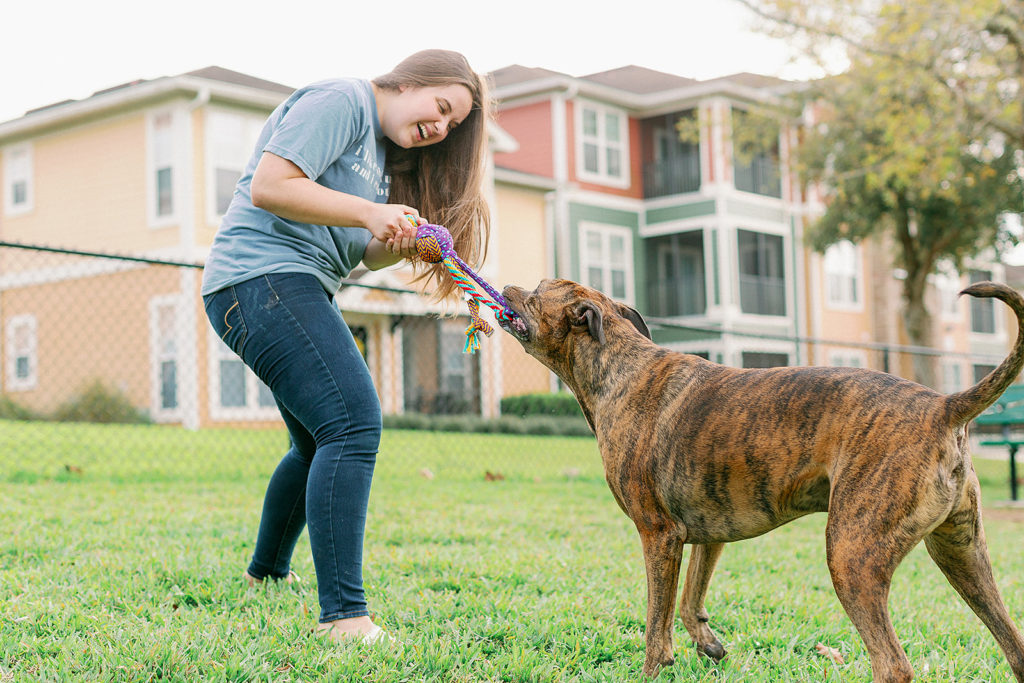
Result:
<point x="189" y="279"/>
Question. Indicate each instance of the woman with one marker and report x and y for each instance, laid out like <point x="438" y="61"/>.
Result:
<point x="312" y="203"/>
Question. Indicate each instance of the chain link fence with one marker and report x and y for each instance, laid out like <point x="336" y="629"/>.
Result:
<point x="109" y="361"/>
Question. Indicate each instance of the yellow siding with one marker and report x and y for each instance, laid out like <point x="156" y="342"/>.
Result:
<point x="523" y="261"/>
<point x="90" y="189"/>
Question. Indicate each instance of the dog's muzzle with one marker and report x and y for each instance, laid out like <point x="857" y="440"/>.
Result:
<point x="516" y="327"/>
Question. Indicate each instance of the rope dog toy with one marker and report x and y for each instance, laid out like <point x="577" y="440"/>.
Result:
<point x="434" y="245"/>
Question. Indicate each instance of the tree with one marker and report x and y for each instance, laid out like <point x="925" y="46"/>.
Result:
<point x="974" y="51"/>
<point x="894" y="152"/>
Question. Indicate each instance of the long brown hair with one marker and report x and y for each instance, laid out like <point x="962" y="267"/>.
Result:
<point x="444" y="181"/>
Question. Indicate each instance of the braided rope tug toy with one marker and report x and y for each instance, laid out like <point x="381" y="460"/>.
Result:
<point x="434" y="245"/>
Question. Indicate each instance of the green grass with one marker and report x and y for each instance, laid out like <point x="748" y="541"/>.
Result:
<point x="126" y="568"/>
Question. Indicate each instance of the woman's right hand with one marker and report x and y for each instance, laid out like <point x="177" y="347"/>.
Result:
<point x="390" y="221"/>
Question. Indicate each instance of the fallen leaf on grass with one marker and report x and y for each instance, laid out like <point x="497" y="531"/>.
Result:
<point x="830" y="652"/>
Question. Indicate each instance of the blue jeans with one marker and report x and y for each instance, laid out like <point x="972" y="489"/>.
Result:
<point x="285" y="327"/>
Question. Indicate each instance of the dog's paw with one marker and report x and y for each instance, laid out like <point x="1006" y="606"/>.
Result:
<point x="713" y="650"/>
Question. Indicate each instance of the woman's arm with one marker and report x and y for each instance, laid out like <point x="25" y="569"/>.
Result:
<point x="280" y="187"/>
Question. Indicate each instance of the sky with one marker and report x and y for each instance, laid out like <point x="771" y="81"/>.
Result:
<point x="54" y="50"/>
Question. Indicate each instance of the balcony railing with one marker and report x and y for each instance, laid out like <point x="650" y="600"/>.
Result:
<point x="672" y="176"/>
<point x="762" y="295"/>
<point x="760" y="176"/>
<point x="677" y="296"/>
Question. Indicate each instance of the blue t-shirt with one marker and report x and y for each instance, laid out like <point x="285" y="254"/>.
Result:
<point x="331" y="131"/>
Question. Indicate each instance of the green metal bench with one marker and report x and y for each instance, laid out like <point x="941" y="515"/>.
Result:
<point x="1007" y="412"/>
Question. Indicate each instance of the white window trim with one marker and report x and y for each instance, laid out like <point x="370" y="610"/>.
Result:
<point x="10" y="177"/>
<point x="602" y="177"/>
<point x="947" y="284"/>
<point x="950" y="367"/>
<point x="14" y="383"/>
<point x="253" y="125"/>
<point x="841" y="305"/>
<point x="219" y="413"/>
<point x="999" y="327"/>
<point x="178" y="144"/>
<point x="788" y="268"/>
<point x="839" y="359"/>
<point x="156" y="357"/>
<point x="605" y="231"/>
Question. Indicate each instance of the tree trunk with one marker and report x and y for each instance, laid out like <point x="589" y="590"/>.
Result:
<point x="918" y="323"/>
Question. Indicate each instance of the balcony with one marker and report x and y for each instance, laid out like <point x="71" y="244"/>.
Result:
<point x="760" y="176"/>
<point x="675" y="274"/>
<point x="674" y="175"/>
<point x="676" y="297"/>
<point x="762" y="295"/>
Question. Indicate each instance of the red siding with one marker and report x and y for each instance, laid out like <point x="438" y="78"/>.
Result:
<point x="530" y="125"/>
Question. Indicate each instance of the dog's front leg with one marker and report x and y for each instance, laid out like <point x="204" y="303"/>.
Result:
<point x="691" y="605"/>
<point x="663" y="552"/>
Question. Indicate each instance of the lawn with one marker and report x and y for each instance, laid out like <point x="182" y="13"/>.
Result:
<point x="121" y="550"/>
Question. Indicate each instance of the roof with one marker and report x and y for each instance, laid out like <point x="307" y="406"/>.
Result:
<point x="634" y="87"/>
<point x="218" y="73"/>
<point x="515" y="73"/>
<point x="211" y="82"/>
<point x="211" y="73"/>
<point x="639" y="79"/>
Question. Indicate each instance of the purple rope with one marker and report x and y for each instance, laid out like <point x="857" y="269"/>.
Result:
<point x="444" y="240"/>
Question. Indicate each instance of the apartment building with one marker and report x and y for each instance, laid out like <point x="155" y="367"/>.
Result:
<point x="706" y="240"/>
<point x="591" y="180"/>
<point x="145" y="170"/>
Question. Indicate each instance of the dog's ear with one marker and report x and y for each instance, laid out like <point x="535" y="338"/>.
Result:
<point x="589" y="314"/>
<point x="634" y="317"/>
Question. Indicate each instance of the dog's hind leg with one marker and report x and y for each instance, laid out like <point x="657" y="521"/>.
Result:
<point x="863" y="552"/>
<point x="663" y="554"/>
<point x="958" y="547"/>
<point x="691" y="604"/>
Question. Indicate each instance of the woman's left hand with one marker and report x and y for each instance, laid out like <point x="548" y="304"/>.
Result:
<point x="403" y="243"/>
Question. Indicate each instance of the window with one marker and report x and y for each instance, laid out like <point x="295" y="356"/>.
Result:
<point x="981" y="371"/>
<point x="459" y="390"/>
<point x="675" y="272"/>
<point x="675" y="167"/>
<point x="947" y="286"/>
<point x="983" y="311"/>
<point x="760" y="359"/>
<point x="22" y="353"/>
<point x="18" y="179"/>
<point x="842" y="275"/>
<point x="606" y="260"/>
<point x="761" y="273"/>
<point x="236" y="392"/>
<point x="952" y="377"/>
<point x="756" y="154"/>
<point x="162" y="180"/>
<point x="164" y="324"/>
<point x="602" y="149"/>
<point x="230" y="140"/>
<point x="847" y="359"/>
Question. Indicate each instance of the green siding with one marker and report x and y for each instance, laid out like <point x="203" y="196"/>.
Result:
<point x="627" y="219"/>
<point x="669" y="335"/>
<point x="681" y="211"/>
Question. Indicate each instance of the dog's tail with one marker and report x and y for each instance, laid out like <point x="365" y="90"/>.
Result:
<point x="966" y="405"/>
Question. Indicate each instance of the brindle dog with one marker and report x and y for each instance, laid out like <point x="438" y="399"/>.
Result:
<point x="702" y="454"/>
